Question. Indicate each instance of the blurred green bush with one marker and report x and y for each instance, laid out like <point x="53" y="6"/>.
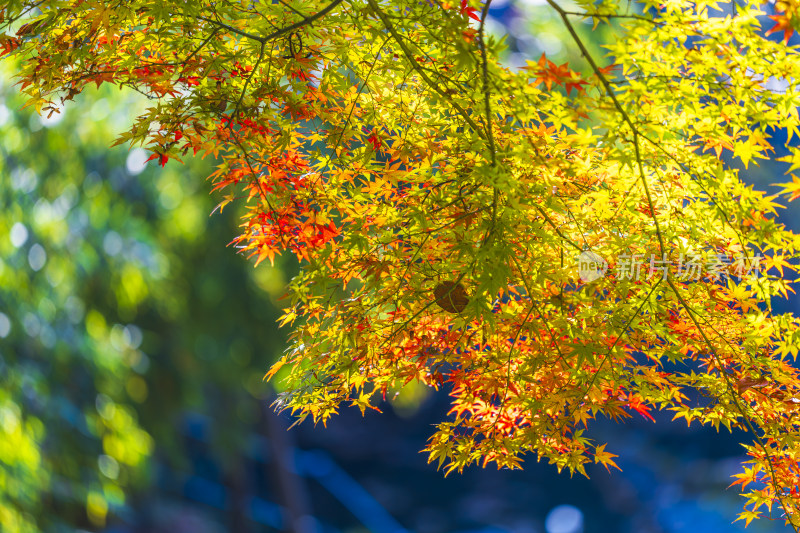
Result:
<point x="115" y="315"/>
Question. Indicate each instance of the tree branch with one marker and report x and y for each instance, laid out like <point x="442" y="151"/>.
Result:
<point x="585" y="51"/>
<point x="416" y="66"/>
<point x="277" y="33"/>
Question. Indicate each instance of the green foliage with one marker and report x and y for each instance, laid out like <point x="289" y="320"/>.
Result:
<point x="65" y="448"/>
<point x="99" y="270"/>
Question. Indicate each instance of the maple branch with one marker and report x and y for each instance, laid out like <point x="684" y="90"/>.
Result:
<point x="614" y="16"/>
<point x="585" y="52"/>
<point x="515" y="260"/>
<point x="306" y="20"/>
<point x="735" y="397"/>
<point x="635" y="130"/>
<point x="452" y="222"/>
<point x="647" y="190"/>
<point x="23" y="13"/>
<point x="222" y="25"/>
<point x="508" y="363"/>
<point x="558" y="231"/>
<point x="355" y="101"/>
<point x="416" y="66"/>
<point x="253" y="173"/>
<point x="489" y="120"/>
<point x="202" y="45"/>
<point x="277" y="33"/>
<point x="433" y="301"/>
<point x="246" y="85"/>
<point x="599" y="73"/>
<point x="486" y="90"/>
<point x="623" y="331"/>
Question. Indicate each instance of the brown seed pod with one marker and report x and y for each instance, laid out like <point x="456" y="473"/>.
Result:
<point x="451" y="296"/>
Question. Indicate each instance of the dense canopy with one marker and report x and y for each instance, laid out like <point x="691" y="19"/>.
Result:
<point x="549" y="243"/>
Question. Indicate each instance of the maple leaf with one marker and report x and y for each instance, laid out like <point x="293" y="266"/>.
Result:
<point x="777" y="262"/>
<point x="468" y="11"/>
<point x="635" y="403"/>
<point x="792" y="188"/>
<point x="374" y="140"/>
<point x="748" y="516"/>
<point x="783" y="22"/>
<point x="751" y="147"/>
<point x="717" y="145"/>
<point x="605" y="458"/>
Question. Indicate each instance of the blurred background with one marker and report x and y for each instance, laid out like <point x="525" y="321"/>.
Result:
<point x="133" y="345"/>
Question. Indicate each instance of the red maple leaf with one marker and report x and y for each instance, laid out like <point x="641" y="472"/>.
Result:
<point x="471" y="12"/>
<point x="374" y="140"/>
<point x="784" y="24"/>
